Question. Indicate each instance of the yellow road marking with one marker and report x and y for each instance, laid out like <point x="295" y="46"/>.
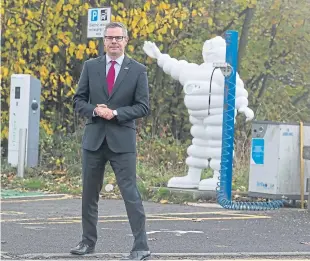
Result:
<point x="149" y="218"/>
<point x="229" y="213"/>
<point x="70" y="218"/>
<point x="161" y="216"/>
<point x="152" y="219"/>
<point x="11" y="213"/>
<point x="49" y="223"/>
<point x="38" y="199"/>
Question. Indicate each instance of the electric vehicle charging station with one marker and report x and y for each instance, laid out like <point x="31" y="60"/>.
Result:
<point x="24" y="121"/>
<point x="275" y="168"/>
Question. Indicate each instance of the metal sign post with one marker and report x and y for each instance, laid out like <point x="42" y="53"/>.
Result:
<point x="21" y="152"/>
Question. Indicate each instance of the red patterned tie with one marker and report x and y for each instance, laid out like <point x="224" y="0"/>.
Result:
<point x="111" y="77"/>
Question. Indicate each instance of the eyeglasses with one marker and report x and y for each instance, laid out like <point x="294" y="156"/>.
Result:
<point x="117" y="38"/>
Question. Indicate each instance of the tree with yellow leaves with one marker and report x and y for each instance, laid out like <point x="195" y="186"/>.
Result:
<point x="48" y="40"/>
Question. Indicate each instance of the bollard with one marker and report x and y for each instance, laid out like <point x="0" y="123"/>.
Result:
<point x="21" y="152"/>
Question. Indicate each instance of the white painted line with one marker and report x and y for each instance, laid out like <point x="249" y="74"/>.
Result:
<point x="174" y="231"/>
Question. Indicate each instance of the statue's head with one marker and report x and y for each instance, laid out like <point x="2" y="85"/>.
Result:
<point x="214" y="50"/>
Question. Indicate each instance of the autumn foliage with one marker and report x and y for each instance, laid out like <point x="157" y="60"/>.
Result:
<point x="47" y="38"/>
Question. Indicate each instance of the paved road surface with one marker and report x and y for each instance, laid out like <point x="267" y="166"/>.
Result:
<point x="47" y="227"/>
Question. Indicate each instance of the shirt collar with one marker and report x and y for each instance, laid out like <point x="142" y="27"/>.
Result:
<point x="119" y="60"/>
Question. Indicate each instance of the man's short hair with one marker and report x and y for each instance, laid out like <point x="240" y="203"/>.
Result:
<point x="115" y="25"/>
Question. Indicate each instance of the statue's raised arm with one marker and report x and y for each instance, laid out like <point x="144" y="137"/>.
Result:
<point x="151" y="50"/>
<point x="170" y="66"/>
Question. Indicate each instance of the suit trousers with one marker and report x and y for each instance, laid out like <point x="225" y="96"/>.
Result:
<point x="124" y="167"/>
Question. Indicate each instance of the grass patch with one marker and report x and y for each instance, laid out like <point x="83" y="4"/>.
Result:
<point x="158" y="160"/>
<point x="33" y="184"/>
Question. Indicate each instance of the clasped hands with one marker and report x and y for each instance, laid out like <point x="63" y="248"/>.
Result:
<point x="103" y="111"/>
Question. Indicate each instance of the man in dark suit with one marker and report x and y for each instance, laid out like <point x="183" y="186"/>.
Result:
<point x="112" y="92"/>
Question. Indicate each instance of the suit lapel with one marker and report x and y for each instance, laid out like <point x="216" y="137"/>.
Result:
<point x="122" y="73"/>
<point x="102" y="74"/>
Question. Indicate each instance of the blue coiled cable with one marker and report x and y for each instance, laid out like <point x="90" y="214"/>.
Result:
<point x="226" y="162"/>
<point x="224" y="186"/>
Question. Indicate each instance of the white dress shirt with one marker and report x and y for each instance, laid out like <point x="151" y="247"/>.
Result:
<point x="117" y="66"/>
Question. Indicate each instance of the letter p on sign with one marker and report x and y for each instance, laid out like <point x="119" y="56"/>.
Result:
<point x="94" y="15"/>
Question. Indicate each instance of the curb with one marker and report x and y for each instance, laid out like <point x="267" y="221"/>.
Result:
<point x="166" y="256"/>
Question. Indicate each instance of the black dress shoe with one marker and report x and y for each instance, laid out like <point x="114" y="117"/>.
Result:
<point x="82" y="249"/>
<point x="137" y="255"/>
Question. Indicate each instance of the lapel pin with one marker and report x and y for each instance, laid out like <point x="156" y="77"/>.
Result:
<point x="126" y="68"/>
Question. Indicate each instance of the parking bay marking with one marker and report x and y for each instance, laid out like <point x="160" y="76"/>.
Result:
<point x="193" y="216"/>
<point x="45" y="198"/>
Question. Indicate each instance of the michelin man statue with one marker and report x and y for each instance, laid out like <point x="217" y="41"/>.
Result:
<point x="205" y="107"/>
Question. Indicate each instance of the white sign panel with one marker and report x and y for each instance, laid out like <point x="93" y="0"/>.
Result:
<point x="98" y="18"/>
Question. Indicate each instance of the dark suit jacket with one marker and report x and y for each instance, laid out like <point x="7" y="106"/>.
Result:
<point x="130" y="97"/>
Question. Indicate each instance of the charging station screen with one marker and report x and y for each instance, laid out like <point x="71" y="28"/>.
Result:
<point x="17" y="92"/>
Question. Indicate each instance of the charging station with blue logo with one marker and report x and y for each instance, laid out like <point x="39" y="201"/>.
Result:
<point x="275" y="164"/>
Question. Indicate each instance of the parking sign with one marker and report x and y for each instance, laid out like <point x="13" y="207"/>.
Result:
<point x="94" y="15"/>
<point x="98" y="18"/>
